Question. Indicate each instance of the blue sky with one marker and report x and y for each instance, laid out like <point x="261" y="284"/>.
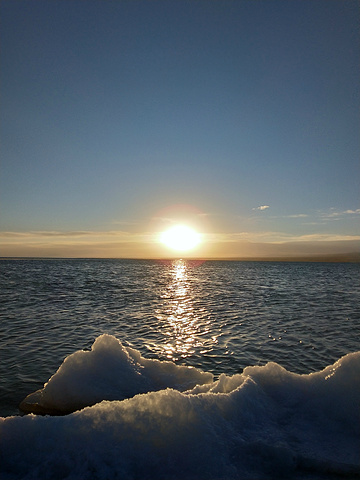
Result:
<point x="120" y="118"/>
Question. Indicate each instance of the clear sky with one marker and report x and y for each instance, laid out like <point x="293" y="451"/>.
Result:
<point x="120" y="118"/>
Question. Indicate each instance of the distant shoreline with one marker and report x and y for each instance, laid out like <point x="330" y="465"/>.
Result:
<point x="335" y="258"/>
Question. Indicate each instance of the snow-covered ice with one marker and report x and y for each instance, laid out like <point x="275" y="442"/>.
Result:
<point x="149" y="419"/>
<point x="110" y="371"/>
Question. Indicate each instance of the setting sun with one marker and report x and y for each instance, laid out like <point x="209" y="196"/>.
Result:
<point x="181" y="238"/>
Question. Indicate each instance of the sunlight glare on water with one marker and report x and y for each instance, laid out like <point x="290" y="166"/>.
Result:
<point x="177" y="317"/>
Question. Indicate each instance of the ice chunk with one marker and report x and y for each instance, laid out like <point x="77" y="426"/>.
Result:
<point x="110" y="371"/>
<point x="262" y="423"/>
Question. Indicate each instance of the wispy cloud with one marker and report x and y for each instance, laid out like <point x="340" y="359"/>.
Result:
<point x="335" y="214"/>
<point x="71" y="236"/>
<point x="262" y="207"/>
<point x="54" y="233"/>
<point x="278" y="237"/>
<point x="351" y="212"/>
<point x="43" y="233"/>
<point x="113" y="243"/>
<point x="320" y="217"/>
<point x="322" y="237"/>
<point x="120" y="222"/>
<point x="178" y="217"/>
<point x="165" y="220"/>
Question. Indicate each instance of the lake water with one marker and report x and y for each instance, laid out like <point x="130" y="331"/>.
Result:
<point x="217" y="316"/>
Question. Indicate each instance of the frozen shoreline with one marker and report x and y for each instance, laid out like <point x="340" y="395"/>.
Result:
<point x="180" y="424"/>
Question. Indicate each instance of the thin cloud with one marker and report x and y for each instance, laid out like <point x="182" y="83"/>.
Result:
<point x="353" y="212"/>
<point x="175" y="218"/>
<point x="164" y="219"/>
<point x="262" y="207"/>
<point x="327" y="238"/>
<point x="120" y="222"/>
<point x="332" y="214"/>
<point x="41" y="234"/>
<point x="278" y="237"/>
<point x="335" y="214"/>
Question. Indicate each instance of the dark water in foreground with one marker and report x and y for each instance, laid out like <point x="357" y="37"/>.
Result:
<point x="217" y="316"/>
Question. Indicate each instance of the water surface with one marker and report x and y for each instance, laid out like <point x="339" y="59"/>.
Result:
<point x="218" y="316"/>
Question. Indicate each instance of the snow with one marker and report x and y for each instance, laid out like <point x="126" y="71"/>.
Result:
<point x="154" y="420"/>
<point x="109" y="371"/>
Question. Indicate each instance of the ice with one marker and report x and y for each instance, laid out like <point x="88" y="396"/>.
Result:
<point x="110" y="371"/>
<point x="263" y="423"/>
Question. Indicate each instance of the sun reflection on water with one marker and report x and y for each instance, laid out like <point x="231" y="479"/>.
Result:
<point x="178" y="319"/>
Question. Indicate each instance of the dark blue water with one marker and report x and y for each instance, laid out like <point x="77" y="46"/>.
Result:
<point x="218" y="316"/>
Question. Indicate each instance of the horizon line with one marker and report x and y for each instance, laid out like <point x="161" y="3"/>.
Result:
<point x="353" y="257"/>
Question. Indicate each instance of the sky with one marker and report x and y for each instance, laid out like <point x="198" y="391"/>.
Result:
<point x="122" y="118"/>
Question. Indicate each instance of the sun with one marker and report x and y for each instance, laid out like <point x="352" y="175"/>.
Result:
<point x="181" y="238"/>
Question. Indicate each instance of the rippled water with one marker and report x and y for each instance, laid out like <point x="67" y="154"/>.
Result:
<point x="218" y="316"/>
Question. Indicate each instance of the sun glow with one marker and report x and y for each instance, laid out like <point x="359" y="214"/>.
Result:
<point x="180" y="238"/>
